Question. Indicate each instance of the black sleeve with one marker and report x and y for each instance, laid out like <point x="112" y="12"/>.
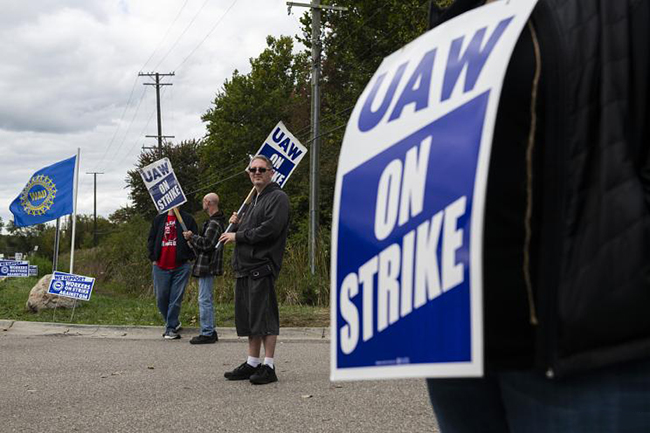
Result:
<point x="276" y="217"/>
<point x="640" y="88"/>
<point x="151" y="240"/>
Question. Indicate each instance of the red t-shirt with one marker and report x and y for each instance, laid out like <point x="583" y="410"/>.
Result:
<point x="167" y="258"/>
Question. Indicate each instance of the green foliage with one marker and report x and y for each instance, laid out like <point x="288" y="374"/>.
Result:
<point x="245" y="111"/>
<point x="44" y="264"/>
<point x="124" y="257"/>
<point x="122" y="215"/>
<point x="109" y="306"/>
<point x="443" y="4"/>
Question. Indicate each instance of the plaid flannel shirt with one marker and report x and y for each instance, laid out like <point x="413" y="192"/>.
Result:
<point x="209" y="261"/>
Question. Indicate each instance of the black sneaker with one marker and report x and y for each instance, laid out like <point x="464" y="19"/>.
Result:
<point x="243" y="372"/>
<point x="171" y="335"/>
<point x="205" y="339"/>
<point x="265" y="374"/>
<point x="176" y="329"/>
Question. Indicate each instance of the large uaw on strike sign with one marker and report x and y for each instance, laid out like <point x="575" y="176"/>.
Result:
<point x="284" y="151"/>
<point x="161" y="182"/>
<point x="409" y="201"/>
<point x="71" y="285"/>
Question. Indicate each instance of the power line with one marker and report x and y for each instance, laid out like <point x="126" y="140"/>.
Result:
<point x="165" y="36"/>
<point x="336" y="128"/>
<point x="206" y="36"/>
<point x="216" y="174"/>
<point x="135" y="113"/>
<point x="181" y="35"/>
<point x="135" y="142"/>
<point x="239" y="173"/>
<point x="135" y="81"/>
<point x="119" y="123"/>
<point x="158" y="85"/>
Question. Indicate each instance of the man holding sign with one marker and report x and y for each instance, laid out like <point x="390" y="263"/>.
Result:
<point x="260" y="236"/>
<point x="170" y="255"/>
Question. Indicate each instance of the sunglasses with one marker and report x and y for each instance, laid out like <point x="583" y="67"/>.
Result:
<point x="257" y="169"/>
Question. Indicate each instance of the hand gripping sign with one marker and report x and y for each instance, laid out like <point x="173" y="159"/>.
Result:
<point x="161" y="182"/>
<point x="409" y="200"/>
<point x="285" y="152"/>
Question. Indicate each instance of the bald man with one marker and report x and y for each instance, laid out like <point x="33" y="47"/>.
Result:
<point x="208" y="264"/>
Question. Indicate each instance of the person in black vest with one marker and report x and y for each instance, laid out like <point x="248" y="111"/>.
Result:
<point x="260" y="237"/>
<point x="567" y="230"/>
<point x="170" y="256"/>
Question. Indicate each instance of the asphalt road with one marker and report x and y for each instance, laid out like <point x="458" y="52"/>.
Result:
<point x="55" y="378"/>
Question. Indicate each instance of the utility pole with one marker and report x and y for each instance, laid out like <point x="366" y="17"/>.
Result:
<point x="314" y="181"/>
<point x="158" y="84"/>
<point x="94" y="173"/>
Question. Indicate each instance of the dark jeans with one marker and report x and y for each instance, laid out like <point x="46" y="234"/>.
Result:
<point x="170" y="287"/>
<point x="610" y="400"/>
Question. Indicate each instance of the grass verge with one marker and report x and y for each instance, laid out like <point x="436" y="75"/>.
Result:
<point x="109" y="306"/>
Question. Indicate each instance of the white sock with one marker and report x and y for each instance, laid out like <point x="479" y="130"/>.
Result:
<point x="253" y="362"/>
<point x="269" y="362"/>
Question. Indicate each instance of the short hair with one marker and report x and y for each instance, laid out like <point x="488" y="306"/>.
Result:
<point x="264" y="158"/>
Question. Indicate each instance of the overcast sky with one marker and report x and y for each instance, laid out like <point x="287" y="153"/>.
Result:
<point x="68" y="80"/>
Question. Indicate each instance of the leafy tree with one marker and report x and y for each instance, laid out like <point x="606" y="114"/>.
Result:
<point x="122" y="215"/>
<point x="354" y="44"/>
<point x="245" y="111"/>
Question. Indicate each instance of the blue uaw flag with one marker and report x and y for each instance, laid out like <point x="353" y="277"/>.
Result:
<point x="47" y="195"/>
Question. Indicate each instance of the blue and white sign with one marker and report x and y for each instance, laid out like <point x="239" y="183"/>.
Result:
<point x="161" y="182"/>
<point x="285" y="152"/>
<point x="71" y="285"/>
<point x="33" y="270"/>
<point x="409" y="201"/>
<point x="14" y="268"/>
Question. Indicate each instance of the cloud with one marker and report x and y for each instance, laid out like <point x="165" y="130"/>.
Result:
<point x="69" y="80"/>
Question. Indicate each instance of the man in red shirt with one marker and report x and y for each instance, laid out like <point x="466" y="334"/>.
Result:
<point x="171" y="257"/>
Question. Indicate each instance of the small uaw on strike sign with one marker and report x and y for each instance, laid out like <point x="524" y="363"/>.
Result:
<point x="409" y="201"/>
<point x="163" y="187"/>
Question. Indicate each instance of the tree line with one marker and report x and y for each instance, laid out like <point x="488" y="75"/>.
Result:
<point x="243" y="112"/>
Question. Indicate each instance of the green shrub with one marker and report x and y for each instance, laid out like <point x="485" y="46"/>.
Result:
<point x="120" y="264"/>
<point x="44" y="264"/>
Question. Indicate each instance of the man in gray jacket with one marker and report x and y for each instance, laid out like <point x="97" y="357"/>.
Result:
<point x="260" y="237"/>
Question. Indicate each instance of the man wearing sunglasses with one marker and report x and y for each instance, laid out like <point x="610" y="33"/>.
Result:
<point x="260" y="235"/>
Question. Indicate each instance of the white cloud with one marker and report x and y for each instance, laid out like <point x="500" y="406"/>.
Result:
<point x="69" y="67"/>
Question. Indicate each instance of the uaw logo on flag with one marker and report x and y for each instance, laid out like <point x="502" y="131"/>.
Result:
<point x="407" y="225"/>
<point x="47" y="196"/>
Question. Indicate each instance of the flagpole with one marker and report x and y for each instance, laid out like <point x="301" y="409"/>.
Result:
<point x="74" y="209"/>
<point x="55" y="260"/>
